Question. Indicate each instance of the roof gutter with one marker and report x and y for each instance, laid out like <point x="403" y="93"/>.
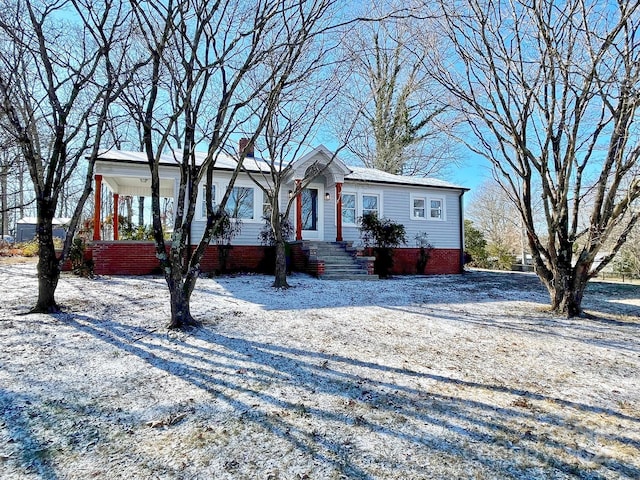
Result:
<point x="461" y="209"/>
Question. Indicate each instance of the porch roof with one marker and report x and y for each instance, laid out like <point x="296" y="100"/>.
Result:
<point x="126" y="172"/>
<point x="173" y="159"/>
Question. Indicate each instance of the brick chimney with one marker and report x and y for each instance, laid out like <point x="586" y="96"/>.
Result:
<point x="244" y="145"/>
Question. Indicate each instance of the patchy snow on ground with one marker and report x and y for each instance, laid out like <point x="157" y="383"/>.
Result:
<point x="464" y="376"/>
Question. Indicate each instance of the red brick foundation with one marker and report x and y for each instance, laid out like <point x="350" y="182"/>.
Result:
<point x="139" y="258"/>
<point x="441" y="261"/>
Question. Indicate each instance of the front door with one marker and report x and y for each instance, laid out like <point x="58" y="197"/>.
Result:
<point x="312" y="212"/>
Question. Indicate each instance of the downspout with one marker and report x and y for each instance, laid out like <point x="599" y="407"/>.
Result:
<point x="461" y="209"/>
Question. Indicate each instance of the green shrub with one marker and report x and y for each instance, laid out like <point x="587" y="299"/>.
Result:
<point x="384" y="235"/>
<point x="135" y="232"/>
<point x="266" y="235"/>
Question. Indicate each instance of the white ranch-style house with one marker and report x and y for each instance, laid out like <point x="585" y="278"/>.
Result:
<point x="325" y="215"/>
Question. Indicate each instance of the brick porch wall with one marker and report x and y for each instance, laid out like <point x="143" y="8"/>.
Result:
<point x="124" y="258"/>
<point x="139" y="258"/>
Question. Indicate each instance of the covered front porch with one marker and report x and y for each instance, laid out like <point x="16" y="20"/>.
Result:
<point x="317" y="178"/>
<point x="126" y="176"/>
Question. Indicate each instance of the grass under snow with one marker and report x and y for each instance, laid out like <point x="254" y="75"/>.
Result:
<point x="437" y="377"/>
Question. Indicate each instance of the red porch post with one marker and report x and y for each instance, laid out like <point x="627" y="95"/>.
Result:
<point x="298" y="210"/>
<point x="116" y="199"/>
<point x="338" y="212"/>
<point x="96" y="208"/>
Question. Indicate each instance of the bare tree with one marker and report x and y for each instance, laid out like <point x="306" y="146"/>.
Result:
<point x="293" y="119"/>
<point x="210" y="62"/>
<point x="399" y="111"/>
<point x="59" y="66"/>
<point x="496" y="215"/>
<point x="550" y="91"/>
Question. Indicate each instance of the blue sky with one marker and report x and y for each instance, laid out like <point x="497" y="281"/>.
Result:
<point x="472" y="173"/>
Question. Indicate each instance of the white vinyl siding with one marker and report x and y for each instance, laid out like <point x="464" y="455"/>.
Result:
<point x="396" y="203"/>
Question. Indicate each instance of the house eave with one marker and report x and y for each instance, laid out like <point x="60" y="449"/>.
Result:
<point x="407" y="184"/>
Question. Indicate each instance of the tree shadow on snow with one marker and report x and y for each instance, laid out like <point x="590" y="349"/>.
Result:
<point x="471" y="287"/>
<point x="423" y="412"/>
<point x="25" y="452"/>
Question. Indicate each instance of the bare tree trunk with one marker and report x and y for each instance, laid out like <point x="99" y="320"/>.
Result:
<point x="180" y="297"/>
<point x="566" y="288"/>
<point x="48" y="264"/>
<point x="21" y="173"/>
<point x="280" y="280"/>
<point x="4" y="224"/>
<point x="566" y="295"/>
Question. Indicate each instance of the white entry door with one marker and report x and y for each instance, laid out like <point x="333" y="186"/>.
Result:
<point x="313" y="212"/>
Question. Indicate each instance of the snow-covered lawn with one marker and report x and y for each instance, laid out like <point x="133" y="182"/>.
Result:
<point x="438" y="377"/>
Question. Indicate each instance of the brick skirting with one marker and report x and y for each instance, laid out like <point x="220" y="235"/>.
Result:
<point x="441" y="261"/>
<point x="139" y="258"/>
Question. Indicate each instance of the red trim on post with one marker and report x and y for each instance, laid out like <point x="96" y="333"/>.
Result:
<point x="116" y="199"/>
<point x="298" y="210"/>
<point x="96" y="208"/>
<point x="338" y="212"/>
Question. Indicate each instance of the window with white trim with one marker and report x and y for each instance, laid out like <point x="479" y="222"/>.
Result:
<point x="349" y="212"/>
<point x="203" y="200"/>
<point x="240" y="203"/>
<point x="427" y="208"/>
<point x="370" y="204"/>
<point x="266" y="205"/>
<point x="419" y="208"/>
<point x="436" y="211"/>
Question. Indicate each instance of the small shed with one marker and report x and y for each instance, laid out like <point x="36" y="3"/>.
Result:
<point x="26" y="228"/>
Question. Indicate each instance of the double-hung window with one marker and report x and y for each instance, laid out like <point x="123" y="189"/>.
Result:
<point x="370" y="204"/>
<point x="419" y="208"/>
<point x="266" y="206"/>
<point x="435" y="209"/>
<point x="240" y="203"/>
<point x="349" y="215"/>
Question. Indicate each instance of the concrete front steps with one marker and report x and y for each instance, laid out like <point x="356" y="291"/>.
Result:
<point x="340" y="261"/>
